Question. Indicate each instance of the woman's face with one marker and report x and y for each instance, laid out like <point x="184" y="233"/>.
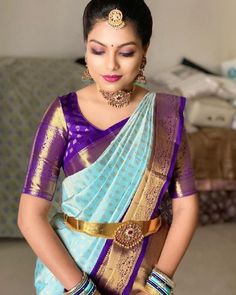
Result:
<point x="114" y="56"/>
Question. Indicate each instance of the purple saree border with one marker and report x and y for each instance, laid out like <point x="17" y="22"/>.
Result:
<point x="164" y="188"/>
<point x="103" y="253"/>
<point x="136" y="268"/>
<point x="108" y="243"/>
<point x="174" y="157"/>
<point x="101" y="258"/>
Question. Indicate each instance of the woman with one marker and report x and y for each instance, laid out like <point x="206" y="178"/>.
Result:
<point x="121" y="148"/>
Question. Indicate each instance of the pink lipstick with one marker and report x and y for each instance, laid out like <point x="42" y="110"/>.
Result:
<point x="111" y="78"/>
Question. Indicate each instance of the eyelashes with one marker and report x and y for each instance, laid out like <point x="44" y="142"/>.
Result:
<point x="125" y="54"/>
<point x="96" y="52"/>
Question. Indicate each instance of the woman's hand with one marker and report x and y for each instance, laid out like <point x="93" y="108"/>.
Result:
<point x="142" y="293"/>
<point x="34" y="225"/>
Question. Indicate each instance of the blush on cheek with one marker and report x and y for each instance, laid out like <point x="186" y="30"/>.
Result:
<point x="95" y="66"/>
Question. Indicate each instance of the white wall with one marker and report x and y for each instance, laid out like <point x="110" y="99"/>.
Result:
<point x="203" y="31"/>
<point x="41" y="28"/>
<point x="228" y="39"/>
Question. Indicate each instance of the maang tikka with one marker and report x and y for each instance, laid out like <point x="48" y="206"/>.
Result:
<point x="141" y="79"/>
<point x="115" y="19"/>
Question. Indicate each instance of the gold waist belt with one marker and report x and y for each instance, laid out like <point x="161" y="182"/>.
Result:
<point x="126" y="234"/>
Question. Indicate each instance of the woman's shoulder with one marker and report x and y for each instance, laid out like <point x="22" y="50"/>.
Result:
<point x="54" y="114"/>
<point x="70" y="99"/>
<point x="170" y="105"/>
<point x="170" y="95"/>
<point x="170" y="99"/>
<point x="66" y="99"/>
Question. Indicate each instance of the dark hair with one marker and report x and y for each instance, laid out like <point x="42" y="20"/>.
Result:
<point x="135" y="11"/>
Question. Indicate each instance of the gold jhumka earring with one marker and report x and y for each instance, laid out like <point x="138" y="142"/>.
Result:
<point x="141" y="79"/>
<point x="86" y="77"/>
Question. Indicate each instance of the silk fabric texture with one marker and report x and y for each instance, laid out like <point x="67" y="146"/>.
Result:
<point x="126" y="182"/>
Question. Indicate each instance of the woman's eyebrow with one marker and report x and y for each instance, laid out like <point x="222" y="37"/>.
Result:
<point x="122" y="45"/>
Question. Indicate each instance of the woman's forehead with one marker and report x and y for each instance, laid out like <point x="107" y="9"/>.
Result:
<point x="108" y="35"/>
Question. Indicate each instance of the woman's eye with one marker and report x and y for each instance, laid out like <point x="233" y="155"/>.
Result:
<point x="127" y="54"/>
<point x="97" y="52"/>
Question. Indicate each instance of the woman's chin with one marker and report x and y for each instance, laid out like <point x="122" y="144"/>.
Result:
<point x="113" y="87"/>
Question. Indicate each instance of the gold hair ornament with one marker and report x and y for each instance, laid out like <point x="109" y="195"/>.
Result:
<point x="115" y="19"/>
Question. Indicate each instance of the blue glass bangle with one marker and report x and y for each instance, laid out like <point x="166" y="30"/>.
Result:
<point x="93" y="290"/>
<point x="160" y="284"/>
<point x="88" y="288"/>
<point x="163" y="277"/>
<point x="85" y="287"/>
<point x="159" y="278"/>
<point x="152" y="285"/>
<point x="82" y="288"/>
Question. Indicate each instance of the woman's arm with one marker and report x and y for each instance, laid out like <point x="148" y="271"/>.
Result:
<point x="185" y="211"/>
<point x="185" y="218"/>
<point x="34" y="225"/>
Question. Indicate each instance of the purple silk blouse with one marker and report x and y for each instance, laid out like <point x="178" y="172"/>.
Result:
<point x="64" y="133"/>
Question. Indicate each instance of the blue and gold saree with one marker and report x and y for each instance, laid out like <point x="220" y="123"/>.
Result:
<point x="116" y="175"/>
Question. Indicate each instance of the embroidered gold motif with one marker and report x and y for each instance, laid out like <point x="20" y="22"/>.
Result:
<point x="125" y="265"/>
<point x="128" y="235"/>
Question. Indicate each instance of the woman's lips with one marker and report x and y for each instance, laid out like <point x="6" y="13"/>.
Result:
<point x="111" y="78"/>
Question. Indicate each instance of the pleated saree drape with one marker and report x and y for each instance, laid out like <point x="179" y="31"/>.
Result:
<point x="126" y="182"/>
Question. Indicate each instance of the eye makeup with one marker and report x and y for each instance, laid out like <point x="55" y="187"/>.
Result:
<point x="97" y="52"/>
<point x="122" y="53"/>
<point x="127" y="54"/>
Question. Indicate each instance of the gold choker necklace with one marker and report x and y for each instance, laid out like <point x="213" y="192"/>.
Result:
<point x="117" y="99"/>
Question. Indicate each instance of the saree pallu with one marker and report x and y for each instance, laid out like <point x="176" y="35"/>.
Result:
<point x="126" y="182"/>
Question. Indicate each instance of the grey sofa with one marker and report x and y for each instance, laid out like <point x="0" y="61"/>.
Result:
<point x="27" y="86"/>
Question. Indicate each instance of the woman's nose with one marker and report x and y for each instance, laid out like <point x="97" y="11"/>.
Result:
<point x="112" y="63"/>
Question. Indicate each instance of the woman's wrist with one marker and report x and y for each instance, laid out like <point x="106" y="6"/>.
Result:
<point x="73" y="278"/>
<point x="85" y="286"/>
<point x="166" y="268"/>
<point x="158" y="283"/>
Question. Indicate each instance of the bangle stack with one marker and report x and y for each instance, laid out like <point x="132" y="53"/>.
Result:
<point x="85" y="287"/>
<point x="159" y="283"/>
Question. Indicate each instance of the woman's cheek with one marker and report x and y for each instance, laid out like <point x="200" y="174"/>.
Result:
<point x="134" y="69"/>
<point x="95" y="67"/>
